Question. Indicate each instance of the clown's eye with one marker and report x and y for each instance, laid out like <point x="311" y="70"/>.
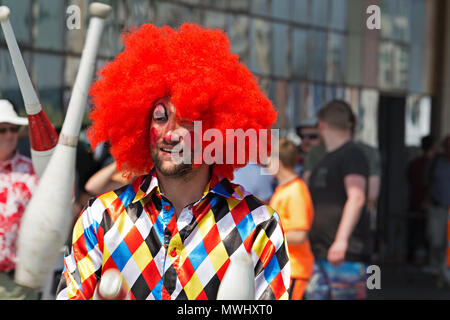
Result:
<point x="160" y="113"/>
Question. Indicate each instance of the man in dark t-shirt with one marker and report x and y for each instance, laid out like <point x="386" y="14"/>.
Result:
<point x="340" y="230"/>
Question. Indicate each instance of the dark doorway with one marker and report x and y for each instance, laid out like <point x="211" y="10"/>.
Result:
<point x="392" y="207"/>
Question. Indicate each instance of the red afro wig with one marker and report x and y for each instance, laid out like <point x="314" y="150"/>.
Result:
<point x="196" y="68"/>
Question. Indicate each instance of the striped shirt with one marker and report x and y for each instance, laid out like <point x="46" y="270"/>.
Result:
<point x="134" y="229"/>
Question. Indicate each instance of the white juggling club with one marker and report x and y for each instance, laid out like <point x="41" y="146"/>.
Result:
<point x="43" y="137"/>
<point x="47" y="220"/>
<point x="111" y="287"/>
<point x="238" y="282"/>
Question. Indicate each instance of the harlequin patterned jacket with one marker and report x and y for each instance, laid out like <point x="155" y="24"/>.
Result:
<point x="134" y="229"/>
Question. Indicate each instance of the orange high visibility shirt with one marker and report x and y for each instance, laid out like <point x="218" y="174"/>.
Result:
<point x="293" y="203"/>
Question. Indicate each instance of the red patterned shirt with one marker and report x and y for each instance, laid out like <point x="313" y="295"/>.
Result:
<point x="17" y="183"/>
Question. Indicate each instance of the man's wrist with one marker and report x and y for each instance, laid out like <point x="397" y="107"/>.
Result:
<point x="341" y="239"/>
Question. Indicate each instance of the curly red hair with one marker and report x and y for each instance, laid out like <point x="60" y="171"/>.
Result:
<point x="196" y="68"/>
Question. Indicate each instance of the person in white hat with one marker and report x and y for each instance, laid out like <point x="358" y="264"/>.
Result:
<point x="17" y="183"/>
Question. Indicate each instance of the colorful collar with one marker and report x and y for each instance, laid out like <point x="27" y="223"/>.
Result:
<point x="146" y="184"/>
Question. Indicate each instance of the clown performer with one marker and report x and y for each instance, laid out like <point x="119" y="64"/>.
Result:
<point x="173" y="231"/>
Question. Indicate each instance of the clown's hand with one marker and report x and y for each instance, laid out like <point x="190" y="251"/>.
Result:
<point x="111" y="287"/>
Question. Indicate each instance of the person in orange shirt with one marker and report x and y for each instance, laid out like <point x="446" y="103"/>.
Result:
<point x="293" y="203"/>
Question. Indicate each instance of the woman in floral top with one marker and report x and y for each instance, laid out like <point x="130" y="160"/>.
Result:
<point x="17" y="182"/>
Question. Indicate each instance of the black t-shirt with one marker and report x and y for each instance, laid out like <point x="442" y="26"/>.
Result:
<point x="328" y="194"/>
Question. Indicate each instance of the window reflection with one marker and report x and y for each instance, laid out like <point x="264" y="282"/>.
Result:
<point x="320" y="47"/>
<point x="238" y="34"/>
<point x="260" y="46"/>
<point x="300" y="52"/>
<point x="300" y="11"/>
<point x="49" y="24"/>
<point x="336" y="58"/>
<point x="47" y="75"/>
<point x="317" y="55"/>
<point x="20" y="19"/>
<point x="9" y="87"/>
<point x="281" y="9"/>
<point x="280" y="49"/>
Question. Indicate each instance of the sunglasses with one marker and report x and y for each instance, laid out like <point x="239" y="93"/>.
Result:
<point x="309" y="136"/>
<point x="10" y="129"/>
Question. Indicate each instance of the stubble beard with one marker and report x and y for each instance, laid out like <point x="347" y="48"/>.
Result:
<point x="174" y="170"/>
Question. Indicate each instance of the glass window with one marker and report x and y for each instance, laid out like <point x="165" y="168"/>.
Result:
<point x="339" y="93"/>
<point x="49" y="24"/>
<point x="111" y="42"/>
<point x="279" y="96"/>
<point x="213" y="3"/>
<point x="281" y="9"/>
<point x="264" y="84"/>
<point x="9" y="86"/>
<point x="417" y="63"/>
<point x="336" y="57"/>
<point x="47" y="75"/>
<point x="280" y="48"/>
<point x="70" y="71"/>
<point x="241" y="5"/>
<point x="417" y="20"/>
<point x="338" y="14"/>
<point x="416" y="68"/>
<point x="417" y="119"/>
<point x="260" y="47"/>
<point x="352" y="98"/>
<point x="387" y="7"/>
<point x="385" y="72"/>
<point x="317" y="55"/>
<point x="294" y="104"/>
<point x="318" y="97"/>
<point x="214" y="19"/>
<point x="401" y="66"/>
<point x="174" y="15"/>
<point x="300" y="11"/>
<point x="330" y="92"/>
<point x="401" y="20"/>
<point x="305" y="101"/>
<point x="20" y="19"/>
<point x="190" y="1"/>
<point x="238" y="34"/>
<point x="260" y="7"/>
<point x="300" y="52"/>
<point x="139" y="12"/>
<point x="367" y="124"/>
<point x="319" y="13"/>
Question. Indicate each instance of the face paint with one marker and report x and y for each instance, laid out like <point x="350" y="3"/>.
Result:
<point x="153" y="137"/>
<point x="160" y="113"/>
<point x="166" y="137"/>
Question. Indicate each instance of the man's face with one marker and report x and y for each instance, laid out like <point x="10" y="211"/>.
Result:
<point x="8" y="140"/>
<point x="309" y="136"/>
<point x="166" y="132"/>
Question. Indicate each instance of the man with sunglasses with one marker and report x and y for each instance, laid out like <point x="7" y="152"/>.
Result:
<point x="17" y="182"/>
